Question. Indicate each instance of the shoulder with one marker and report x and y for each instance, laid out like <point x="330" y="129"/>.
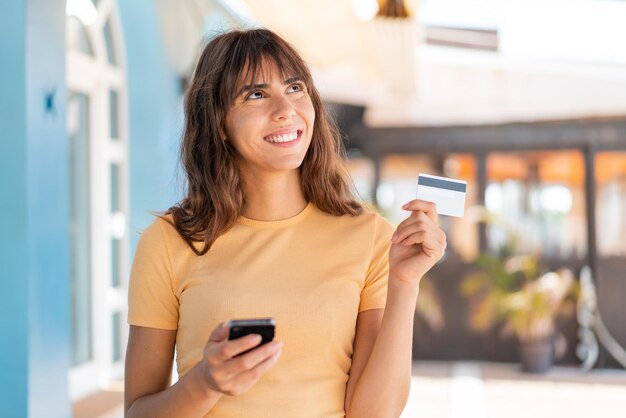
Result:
<point x="161" y="246"/>
<point x="162" y="232"/>
<point x="158" y="228"/>
<point x="382" y="228"/>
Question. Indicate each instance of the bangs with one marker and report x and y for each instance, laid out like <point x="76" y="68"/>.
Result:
<point x="253" y="56"/>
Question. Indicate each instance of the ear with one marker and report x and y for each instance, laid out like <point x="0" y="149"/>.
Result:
<point x="222" y="134"/>
<point x="221" y="119"/>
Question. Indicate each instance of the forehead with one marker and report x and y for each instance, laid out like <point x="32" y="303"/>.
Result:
<point x="264" y="71"/>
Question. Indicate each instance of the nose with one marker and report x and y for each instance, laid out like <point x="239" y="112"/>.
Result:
<point x="283" y="108"/>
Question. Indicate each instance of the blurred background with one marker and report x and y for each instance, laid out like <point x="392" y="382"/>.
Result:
<point x="524" y="100"/>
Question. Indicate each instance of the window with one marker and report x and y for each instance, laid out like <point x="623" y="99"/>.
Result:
<point x="114" y="111"/>
<point x="537" y="200"/>
<point x="76" y="36"/>
<point x="611" y="203"/>
<point x="108" y="41"/>
<point x="80" y="231"/>
<point x="99" y="193"/>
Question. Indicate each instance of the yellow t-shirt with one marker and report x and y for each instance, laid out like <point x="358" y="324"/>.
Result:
<point x="312" y="273"/>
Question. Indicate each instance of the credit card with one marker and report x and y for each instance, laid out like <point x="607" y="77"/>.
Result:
<point x="448" y="194"/>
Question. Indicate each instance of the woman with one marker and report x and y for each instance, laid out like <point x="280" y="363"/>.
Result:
<point x="270" y="228"/>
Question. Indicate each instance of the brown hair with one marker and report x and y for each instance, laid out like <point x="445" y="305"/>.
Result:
<point x="214" y="194"/>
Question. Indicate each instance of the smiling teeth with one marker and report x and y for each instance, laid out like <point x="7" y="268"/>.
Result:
<point x="282" y="138"/>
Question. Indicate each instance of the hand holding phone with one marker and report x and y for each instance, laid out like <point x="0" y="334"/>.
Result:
<point x="223" y="370"/>
<point x="241" y="327"/>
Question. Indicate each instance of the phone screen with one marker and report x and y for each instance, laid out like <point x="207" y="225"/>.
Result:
<point x="264" y="327"/>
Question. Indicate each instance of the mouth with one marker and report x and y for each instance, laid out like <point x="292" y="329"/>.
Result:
<point x="284" y="139"/>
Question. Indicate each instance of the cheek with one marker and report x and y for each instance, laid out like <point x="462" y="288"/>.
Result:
<point x="239" y="127"/>
<point x="308" y="112"/>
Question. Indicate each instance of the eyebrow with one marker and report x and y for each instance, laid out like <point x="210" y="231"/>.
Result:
<point x="249" y="87"/>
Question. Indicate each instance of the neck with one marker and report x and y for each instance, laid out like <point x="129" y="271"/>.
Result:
<point x="271" y="197"/>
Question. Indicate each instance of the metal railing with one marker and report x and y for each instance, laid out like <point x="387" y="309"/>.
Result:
<point x="591" y="329"/>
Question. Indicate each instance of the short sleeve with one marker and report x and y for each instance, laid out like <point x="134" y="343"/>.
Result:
<point x="374" y="293"/>
<point x="152" y="300"/>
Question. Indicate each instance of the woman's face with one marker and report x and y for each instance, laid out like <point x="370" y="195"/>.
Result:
<point x="270" y="124"/>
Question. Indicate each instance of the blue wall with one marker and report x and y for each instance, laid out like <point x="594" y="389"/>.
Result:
<point x="35" y="329"/>
<point x="156" y="116"/>
<point x="13" y="217"/>
<point x="34" y="258"/>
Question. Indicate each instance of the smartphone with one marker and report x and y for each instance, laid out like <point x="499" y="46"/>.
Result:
<point x="238" y="328"/>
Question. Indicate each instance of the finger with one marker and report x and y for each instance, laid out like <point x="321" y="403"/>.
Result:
<point x="430" y="245"/>
<point x="250" y="360"/>
<point x="230" y="348"/>
<point x="433" y="247"/>
<point x="422" y="237"/>
<point x="220" y="333"/>
<point x="415" y="227"/>
<point x="420" y="222"/>
<point x="252" y="375"/>
<point x="417" y="215"/>
<point x="429" y="208"/>
<point x="413" y="238"/>
<point x="433" y="235"/>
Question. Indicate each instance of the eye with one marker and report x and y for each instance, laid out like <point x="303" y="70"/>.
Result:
<point x="296" y="88"/>
<point x="255" y="95"/>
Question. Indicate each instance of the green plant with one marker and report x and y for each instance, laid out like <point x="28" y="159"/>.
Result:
<point x="517" y="292"/>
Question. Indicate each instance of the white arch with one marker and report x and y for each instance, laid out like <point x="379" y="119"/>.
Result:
<point x="102" y="82"/>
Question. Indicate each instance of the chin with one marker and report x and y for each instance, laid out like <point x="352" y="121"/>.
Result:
<point x="292" y="161"/>
<point x="288" y="165"/>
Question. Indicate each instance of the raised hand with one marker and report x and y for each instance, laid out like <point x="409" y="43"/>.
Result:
<point x="417" y="244"/>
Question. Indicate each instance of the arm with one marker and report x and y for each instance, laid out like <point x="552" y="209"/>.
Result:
<point x="367" y="328"/>
<point x="380" y="376"/>
<point x="149" y="363"/>
<point x="147" y="390"/>
<point x="381" y="386"/>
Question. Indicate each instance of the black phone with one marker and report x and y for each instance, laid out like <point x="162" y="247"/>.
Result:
<point x="265" y="327"/>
